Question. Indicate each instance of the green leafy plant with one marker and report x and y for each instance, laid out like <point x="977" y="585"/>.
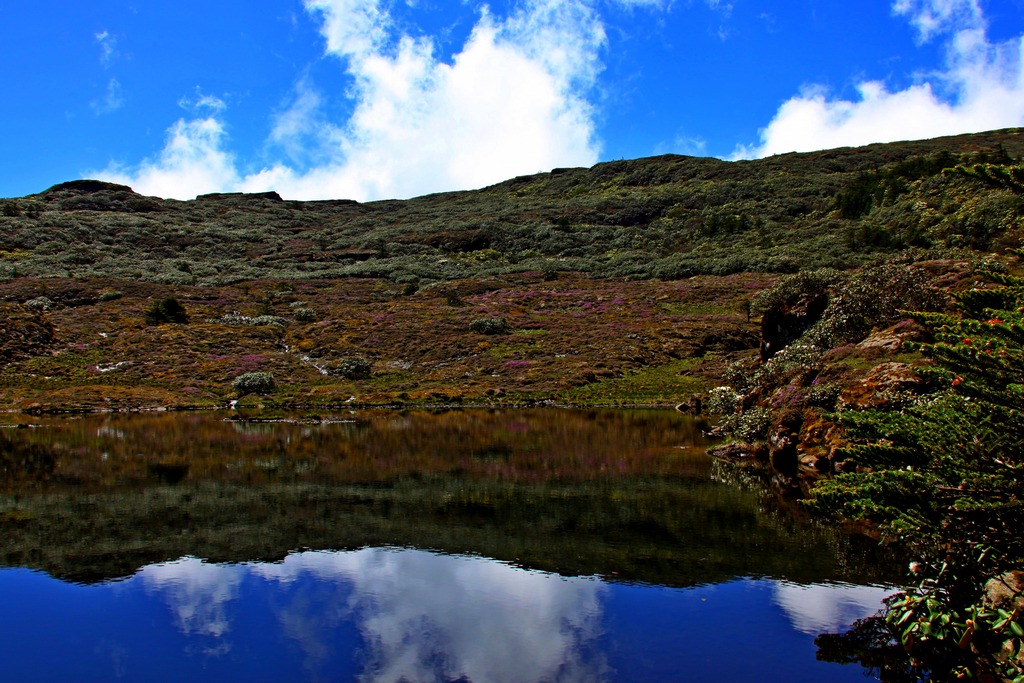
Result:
<point x="305" y="315"/>
<point x="490" y="326"/>
<point x="353" y="367"/>
<point x="167" y="310"/>
<point x="260" y="383"/>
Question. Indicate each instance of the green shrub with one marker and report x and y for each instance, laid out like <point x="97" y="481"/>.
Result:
<point x="873" y="298"/>
<point x="305" y="315"/>
<point x="40" y="303"/>
<point x="490" y="326"/>
<point x="353" y="367"/>
<point x="260" y="383"/>
<point x="794" y="361"/>
<point x="168" y="310"/>
<point x="753" y="425"/>
<point x="723" y="401"/>
<point x="801" y="286"/>
<point x="251" y="321"/>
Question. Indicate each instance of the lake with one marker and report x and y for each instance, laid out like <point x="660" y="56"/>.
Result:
<point x="448" y="545"/>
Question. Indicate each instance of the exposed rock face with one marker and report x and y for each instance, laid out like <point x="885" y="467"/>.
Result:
<point x="820" y="436"/>
<point x="877" y="389"/>
<point x="782" y="326"/>
<point x="782" y="451"/>
<point x="241" y="196"/>
<point x="892" y="339"/>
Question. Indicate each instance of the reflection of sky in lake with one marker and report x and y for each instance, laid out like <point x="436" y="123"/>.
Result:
<point x="392" y="615"/>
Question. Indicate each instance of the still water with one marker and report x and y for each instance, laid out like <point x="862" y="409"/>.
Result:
<point x="454" y="546"/>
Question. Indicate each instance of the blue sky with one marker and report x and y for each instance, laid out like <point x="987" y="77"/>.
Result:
<point x="371" y="99"/>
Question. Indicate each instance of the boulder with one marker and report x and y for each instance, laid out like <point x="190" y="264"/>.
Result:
<point x="1006" y="591"/>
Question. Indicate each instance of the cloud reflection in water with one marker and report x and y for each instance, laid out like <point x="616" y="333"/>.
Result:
<point x="196" y="593"/>
<point x="434" y="617"/>
<point x="398" y="614"/>
<point x="422" y="616"/>
<point x="827" y="608"/>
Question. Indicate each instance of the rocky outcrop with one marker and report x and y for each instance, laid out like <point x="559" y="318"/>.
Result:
<point x="883" y="385"/>
<point x="97" y="195"/>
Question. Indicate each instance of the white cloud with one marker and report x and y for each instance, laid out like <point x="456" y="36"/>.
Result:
<point x="112" y="100"/>
<point x="192" y="162"/>
<point x="201" y="102"/>
<point x="980" y="88"/>
<point x="352" y="28"/>
<point x="931" y="17"/>
<point x="300" y="129"/>
<point x="512" y="101"/>
<point x="421" y="616"/>
<point x="108" y="47"/>
<point x="683" y="144"/>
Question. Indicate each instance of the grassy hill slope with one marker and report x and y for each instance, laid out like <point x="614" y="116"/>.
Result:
<point x="661" y="217"/>
<point x="629" y="282"/>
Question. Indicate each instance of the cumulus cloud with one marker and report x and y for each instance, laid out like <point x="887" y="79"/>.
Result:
<point x="421" y="616"/>
<point x="300" y="128"/>
<point x="981" y="87"/>
<point x="192" y="162"/>
<point x="512" y="101"/>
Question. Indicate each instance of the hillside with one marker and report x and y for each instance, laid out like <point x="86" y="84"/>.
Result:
<point x="631" y="282"/>
<point x="662" y="217"/>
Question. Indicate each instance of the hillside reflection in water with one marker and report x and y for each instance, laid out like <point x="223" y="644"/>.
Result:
<point x="620" y="552"/>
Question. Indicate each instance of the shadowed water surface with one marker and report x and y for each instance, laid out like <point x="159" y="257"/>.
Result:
<point x="460" y="545"/>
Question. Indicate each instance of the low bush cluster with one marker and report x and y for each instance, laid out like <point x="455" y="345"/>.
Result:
<point x="167" y="310"/>
<point x="305" y="315"/>
<point x="353" y="367"/>
<point x="831" y="309"/>
<point x="259" y="383"/>
<point x="236" y="318"/>
<point x="40" y="303"/>
<point x="490" y="326"/>
<point x="664" y="217"/>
